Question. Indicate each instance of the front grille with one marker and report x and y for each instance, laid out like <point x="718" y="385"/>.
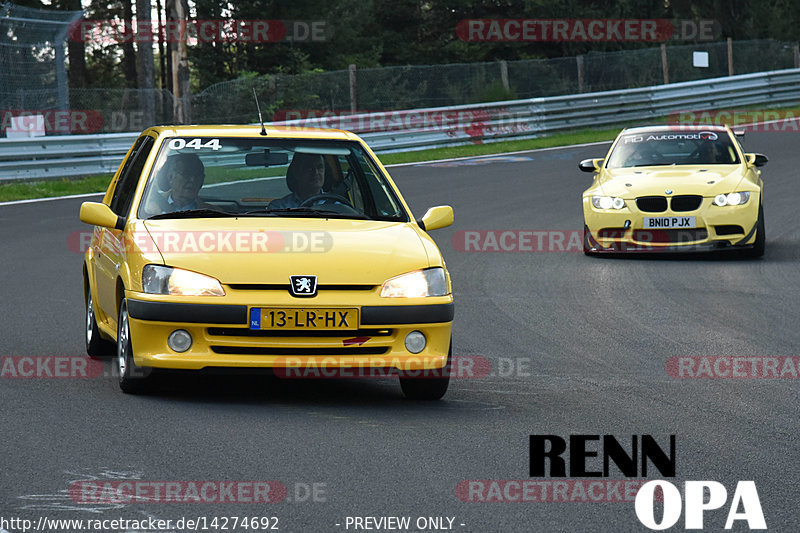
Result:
<point x="257" y="350"/>
<point x="686" y="202"/>
<point x="287" y="287"/>
<point x="651" y="204"/>
<point x="674" y="236"/>
<point x="611" y="233"/>
<point x="246" y="332"/>
<point x="728" y="229"/>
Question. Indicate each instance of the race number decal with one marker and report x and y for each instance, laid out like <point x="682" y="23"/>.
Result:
<point x="197" y="144"/>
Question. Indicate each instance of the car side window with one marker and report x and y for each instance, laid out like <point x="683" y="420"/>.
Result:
<point x="129" y="177"/>
<point x="386" y="203"/>
<point x="124" y="171"/>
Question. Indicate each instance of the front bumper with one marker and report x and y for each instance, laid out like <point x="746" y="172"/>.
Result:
<point x="717" y="228"/>
<point x="222" y="338"/>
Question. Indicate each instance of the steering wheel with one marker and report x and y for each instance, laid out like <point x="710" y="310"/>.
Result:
<point x="326" y="198"/>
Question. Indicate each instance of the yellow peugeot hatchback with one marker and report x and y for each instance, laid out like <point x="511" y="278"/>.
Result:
<point x="249" y="247"/>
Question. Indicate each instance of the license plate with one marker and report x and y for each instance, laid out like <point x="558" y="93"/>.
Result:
<point x="303" y="318"/>
<point x="669" y="222"/>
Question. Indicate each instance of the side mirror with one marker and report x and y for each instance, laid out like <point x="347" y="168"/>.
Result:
<point x="98" y="214"/>
<point x="758" y="160"/>
<point x="437" y="217"/>
<point x="590" y="165"/>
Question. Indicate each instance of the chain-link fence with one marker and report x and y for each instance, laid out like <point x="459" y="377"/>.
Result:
<point x="32" y="58"/>
<point x="409" y="87"/>
<point x="283" y="96"/>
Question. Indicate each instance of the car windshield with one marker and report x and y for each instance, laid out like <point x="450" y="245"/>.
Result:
<point x="658" y="148"/>
<point x="234" y="176"/>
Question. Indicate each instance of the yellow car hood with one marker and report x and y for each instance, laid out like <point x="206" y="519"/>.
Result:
<point x="708" y="180"/>
<point x="338" y="251"/>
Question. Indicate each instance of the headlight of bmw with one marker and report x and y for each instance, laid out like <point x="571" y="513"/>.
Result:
<point x="608" y="202"/>
<point x="733" y="198"/>
<point x="428" y="282"/>
<point x="157" y="279"/>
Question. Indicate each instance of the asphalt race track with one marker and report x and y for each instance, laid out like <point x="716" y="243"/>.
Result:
<point x="576" y="344"/>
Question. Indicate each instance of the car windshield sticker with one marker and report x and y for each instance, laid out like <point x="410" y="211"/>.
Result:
<point x="699" y="136"/>
<point x="197" y="144"/>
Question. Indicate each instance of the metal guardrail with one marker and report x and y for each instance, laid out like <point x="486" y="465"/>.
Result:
<point x="73" y="155"/>
<point x="63" y="155"/>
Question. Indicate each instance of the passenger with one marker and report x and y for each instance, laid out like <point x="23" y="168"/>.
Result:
<point x="305" y="178"/>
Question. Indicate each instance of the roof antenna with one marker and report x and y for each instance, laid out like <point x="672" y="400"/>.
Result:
<point x="260" y="119"/>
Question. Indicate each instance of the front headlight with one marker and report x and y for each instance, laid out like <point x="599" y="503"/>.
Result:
<point x="733" y="198"/>
<point x="608" y="202"/>
<point x="429" y="282"/>
<point x="157" y="279"/>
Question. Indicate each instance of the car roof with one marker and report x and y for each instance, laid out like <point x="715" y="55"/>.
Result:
<point x="230" y="130"/>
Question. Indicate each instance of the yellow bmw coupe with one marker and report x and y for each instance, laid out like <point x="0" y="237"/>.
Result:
<point x="290" y="249"/>
<point x="675" y="188"/>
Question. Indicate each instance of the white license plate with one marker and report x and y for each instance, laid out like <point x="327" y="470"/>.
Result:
<point x="669" y="222"/>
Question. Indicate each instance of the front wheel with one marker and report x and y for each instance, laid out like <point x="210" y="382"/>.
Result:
<point x="96" y="346"/>
<point x="760" y="244"/>
<point x="428" y="388"/>
<point x="132" y="379"/>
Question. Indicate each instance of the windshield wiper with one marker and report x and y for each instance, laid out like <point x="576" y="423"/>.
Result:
<point x="656" y="165"/>
<point x="326" y="213"/>
<point x="193" y="213"/>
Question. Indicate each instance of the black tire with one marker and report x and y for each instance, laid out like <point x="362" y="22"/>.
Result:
<point x="428" y="388"/>
<point x="132" y="379"/>
<point x="96" y="346"/>
<point x="760" y="244"/>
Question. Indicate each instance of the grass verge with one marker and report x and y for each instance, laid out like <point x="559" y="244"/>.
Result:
<point x="24" y="190"/>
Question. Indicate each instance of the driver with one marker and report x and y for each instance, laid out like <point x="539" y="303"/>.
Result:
<point x="709" y="153"/>
<point x="183" y="174"/>
<point x="304" y="177"/>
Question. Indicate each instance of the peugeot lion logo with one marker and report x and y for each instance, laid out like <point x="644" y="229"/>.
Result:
<point x="303" y="285"/>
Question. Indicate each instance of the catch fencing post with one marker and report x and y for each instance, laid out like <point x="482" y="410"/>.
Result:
<point x="353" y="89"/>
<point x="730" y="56"/>
<point x="504" y="75"/>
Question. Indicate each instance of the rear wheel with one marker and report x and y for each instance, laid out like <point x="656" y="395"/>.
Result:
<point x="428" y="388"/>
<point x="760" y="243"/>
<point x="96" y="346"/>
<point x="132" y="379"/>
